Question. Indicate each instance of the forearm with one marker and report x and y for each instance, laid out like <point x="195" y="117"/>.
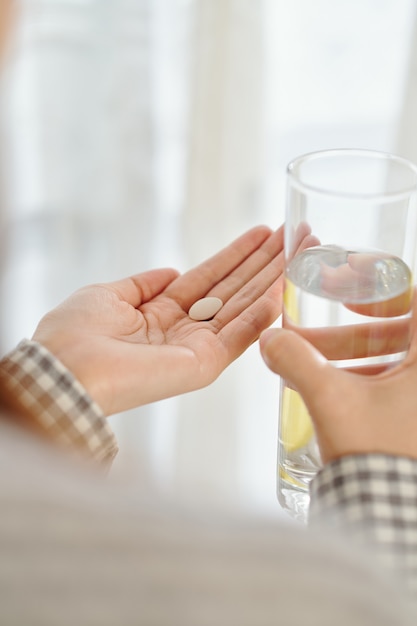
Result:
<point x="373" y="498"/>
<point x="55" y="403"/>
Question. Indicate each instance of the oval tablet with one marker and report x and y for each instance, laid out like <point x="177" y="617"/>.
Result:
<point x="205" y="309"/>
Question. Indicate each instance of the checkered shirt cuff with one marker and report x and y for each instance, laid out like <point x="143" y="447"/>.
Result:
<point x="58" y="402"/>
<point x="373" y="498"/>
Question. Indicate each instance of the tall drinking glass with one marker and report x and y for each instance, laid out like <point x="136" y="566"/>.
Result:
<point x="347" y="284"/>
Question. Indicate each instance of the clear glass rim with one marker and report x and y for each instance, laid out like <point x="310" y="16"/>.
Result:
<point x="385" y="196"/>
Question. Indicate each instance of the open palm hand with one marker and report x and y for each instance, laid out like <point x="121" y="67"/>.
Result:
<point x="132" y="342"/>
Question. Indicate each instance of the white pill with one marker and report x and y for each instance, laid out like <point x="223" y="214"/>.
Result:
<point x="205" y="309"/>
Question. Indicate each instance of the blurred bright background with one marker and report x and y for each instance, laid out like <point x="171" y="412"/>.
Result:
<point x="143" y="133"/>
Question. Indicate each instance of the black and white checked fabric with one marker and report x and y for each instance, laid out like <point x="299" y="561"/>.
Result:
<point x="58" y="402"/>
<point x="372" y="497"/>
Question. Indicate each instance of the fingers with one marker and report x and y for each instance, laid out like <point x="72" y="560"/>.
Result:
<point x="143" y="287"/>
<point x="290" y="356"/>
<point x="304" y="239"/>
<point x="363" y="275"/>
<point x="325" y="390"/>
<point x="255" y="302"/>
<point x="251" y="276"/>
<point x="242" y="322"/>
<point x="400" y="305"/>
<point x="301" y="239"/>
<point x="227" y="270"/>
<point x="352" y="414"/>
<point x="252" y="287"/>
<point x="358" y="340"/>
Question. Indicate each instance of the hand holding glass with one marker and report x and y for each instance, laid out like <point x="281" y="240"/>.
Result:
<point x="350" y="292"/>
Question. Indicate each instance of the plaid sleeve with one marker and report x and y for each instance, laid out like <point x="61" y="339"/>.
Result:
<point x="62" y="408"/>
<point x="374" y="498"/>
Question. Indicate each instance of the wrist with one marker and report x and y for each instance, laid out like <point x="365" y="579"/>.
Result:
<point x="56" y="403"/>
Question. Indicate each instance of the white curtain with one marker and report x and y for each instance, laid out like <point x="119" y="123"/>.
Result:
<point x="141" y="133"/>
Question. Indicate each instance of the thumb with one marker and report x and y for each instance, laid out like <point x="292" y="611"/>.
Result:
<point x="141" y="288"/>
<point x="296" y="360"/>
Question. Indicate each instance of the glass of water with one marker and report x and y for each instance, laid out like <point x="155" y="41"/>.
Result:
<point x="348" y="287"/>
